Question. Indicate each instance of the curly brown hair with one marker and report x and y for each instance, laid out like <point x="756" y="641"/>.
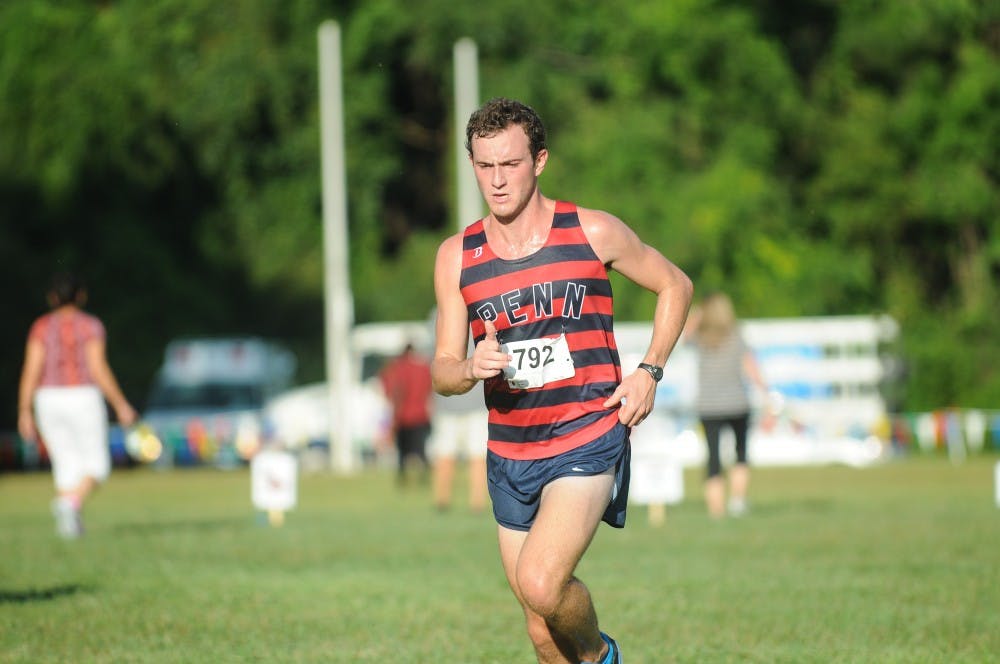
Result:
<point x="499" y="113"/>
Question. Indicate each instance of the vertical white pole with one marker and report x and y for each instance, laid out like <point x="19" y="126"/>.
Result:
<point x="470" y="203"/>
<point x="339" y="307"/>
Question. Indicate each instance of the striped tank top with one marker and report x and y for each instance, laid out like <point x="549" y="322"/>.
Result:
<point x="64" y="335"/>
<point x="562" y="288"/>
<point x="722" y="391"/>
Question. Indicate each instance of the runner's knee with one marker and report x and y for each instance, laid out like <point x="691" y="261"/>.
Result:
<point x="541" y="592"/>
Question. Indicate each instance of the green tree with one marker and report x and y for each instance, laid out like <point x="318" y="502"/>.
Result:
<point x="815" y="158"/>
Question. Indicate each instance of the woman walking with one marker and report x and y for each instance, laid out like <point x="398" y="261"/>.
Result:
<point x="64" y="382"/>
<point x="724" y="363"/>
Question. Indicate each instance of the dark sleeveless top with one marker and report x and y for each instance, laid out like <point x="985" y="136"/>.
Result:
<point x="561" y="288"/>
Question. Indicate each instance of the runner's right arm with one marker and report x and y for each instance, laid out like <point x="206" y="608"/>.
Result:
<point x="452" y="371"/>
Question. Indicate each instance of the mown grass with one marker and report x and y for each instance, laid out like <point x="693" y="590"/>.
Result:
<point x="898" y="563"/>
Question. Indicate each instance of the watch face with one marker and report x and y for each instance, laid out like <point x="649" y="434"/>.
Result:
<point x="655" y="371"/>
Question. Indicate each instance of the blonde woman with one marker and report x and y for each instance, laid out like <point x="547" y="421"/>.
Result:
<point x="725" y="364"/>
<point x="64" y="382"/>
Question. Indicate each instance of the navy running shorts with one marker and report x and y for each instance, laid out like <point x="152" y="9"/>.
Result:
<point x="516" y="485"/>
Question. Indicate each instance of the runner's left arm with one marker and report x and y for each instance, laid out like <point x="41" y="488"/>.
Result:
<point x="622" y="250"/>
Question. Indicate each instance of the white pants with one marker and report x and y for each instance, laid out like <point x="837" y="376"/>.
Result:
<point x="73" y="423"/>
<point x="452" y="431"/>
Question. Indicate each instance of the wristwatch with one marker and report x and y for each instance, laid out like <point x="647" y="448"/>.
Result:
<point x="654" y="371"/>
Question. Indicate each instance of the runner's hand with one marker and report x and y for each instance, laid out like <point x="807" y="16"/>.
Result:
<point x="488" y="360"/>
<point x="634" y="396"/>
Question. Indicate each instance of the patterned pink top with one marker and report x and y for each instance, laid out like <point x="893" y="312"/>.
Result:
<point x="64" y="334"/>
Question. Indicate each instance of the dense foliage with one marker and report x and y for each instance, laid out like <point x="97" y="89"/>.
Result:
<point x="821" y="157"/>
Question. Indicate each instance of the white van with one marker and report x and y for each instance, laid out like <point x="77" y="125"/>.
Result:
<point x="207" y="402"/>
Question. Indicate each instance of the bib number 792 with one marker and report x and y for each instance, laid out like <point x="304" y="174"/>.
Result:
<point x="532" y="357"/>
<point x="536" y="362"/>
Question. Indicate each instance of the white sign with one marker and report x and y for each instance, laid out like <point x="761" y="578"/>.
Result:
<point x="996" y="482"/>
<point x="657" y="474"/>
<point x="274" y="481"/>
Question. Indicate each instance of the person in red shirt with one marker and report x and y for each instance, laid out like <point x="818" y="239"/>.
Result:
<point x="406" y="381"/>
<point x="64" y="382"/>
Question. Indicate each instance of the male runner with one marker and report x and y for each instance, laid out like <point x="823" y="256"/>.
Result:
<point x="531" y="280"/>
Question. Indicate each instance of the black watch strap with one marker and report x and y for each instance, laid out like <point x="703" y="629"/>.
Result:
<point x="654" y="371"/>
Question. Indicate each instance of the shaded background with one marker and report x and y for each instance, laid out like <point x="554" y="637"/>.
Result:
<point x="821" y="157"/>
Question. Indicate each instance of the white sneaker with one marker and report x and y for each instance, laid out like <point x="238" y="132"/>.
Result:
<point x="737" y="506"/>
<point x="68" y="524"/>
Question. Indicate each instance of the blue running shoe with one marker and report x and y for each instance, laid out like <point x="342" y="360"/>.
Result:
<point x="614" y="655"/>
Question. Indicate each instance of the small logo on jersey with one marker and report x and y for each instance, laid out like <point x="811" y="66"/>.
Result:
<point x="577" y="469"/>
<point x="478" y="252"/>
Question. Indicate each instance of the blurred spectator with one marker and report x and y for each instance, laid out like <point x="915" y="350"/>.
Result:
<point x="61" y="398"/>
<point x="406" y="381"/>
<point x="459" y="428"/>
<point x="724" y="363"/>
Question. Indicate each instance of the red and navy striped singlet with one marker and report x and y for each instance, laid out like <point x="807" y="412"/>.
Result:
<point x="561" y="288"/>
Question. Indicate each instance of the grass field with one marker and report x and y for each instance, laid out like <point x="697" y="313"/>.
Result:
<point x="898" y="563"/>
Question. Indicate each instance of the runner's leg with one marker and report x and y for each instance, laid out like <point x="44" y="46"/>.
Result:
<point x="539" y="564"/>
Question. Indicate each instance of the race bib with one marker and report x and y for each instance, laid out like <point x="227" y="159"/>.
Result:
<point x="535" y="362"/>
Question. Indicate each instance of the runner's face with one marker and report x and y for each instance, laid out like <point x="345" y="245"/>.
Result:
<point x="506" y="174"/>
